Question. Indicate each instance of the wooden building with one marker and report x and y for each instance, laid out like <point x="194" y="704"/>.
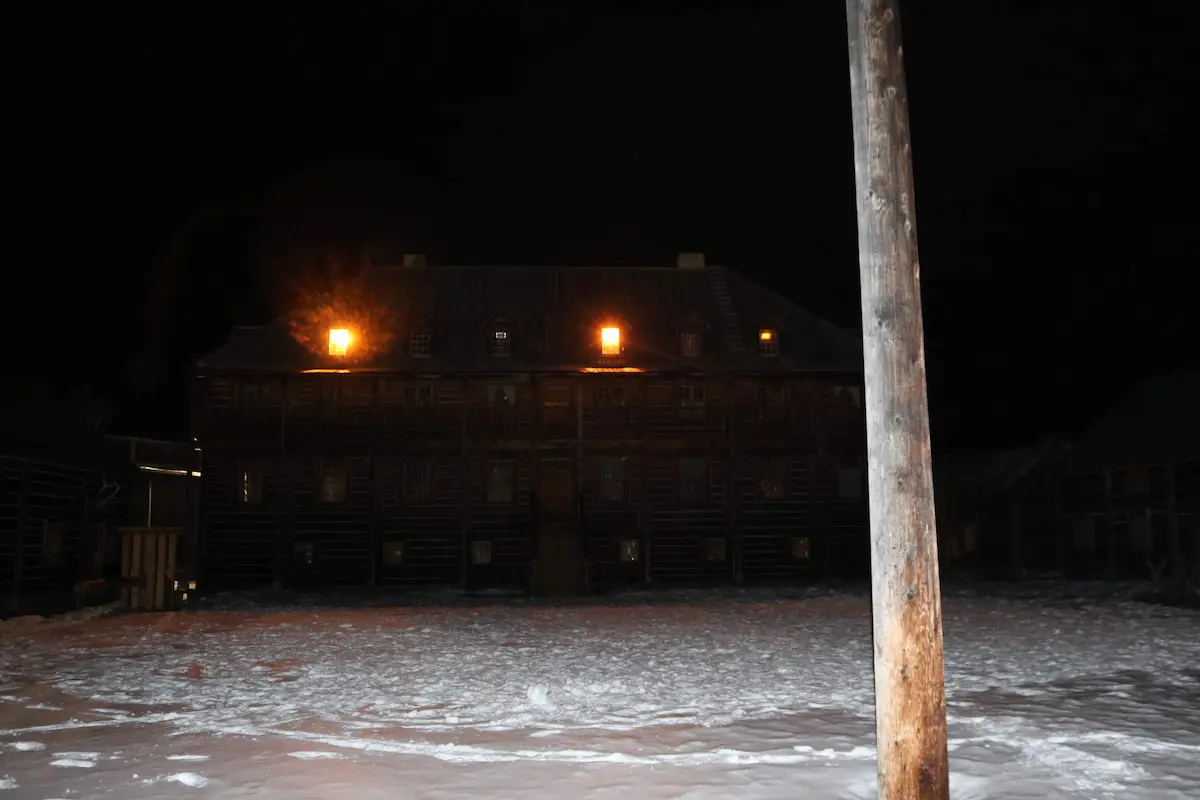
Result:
<point x="998" y="511"/>
<point x="1131" y="487"/>
<point x="560" y="429"/>
<point x="61" y="488"/>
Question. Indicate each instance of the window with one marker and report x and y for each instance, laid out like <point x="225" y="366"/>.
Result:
<point x="392" y="553"/>
<point x="850" y="484"/>
<point x="691" y="396"/>
<point x="249" y="395"/>
<point x="610" y="397"/>
<point x="610" y="341"/>
<point x="689" y="345"/>
<point x="250" y="484"/>
<point x="629" y="550"/>
<point x="714" y="550"/>
<point x="481" y="552"/>
<point x="501" y="396"/>
<point x="610" y="482"/>
<point x="303" y="554"/>
<point x="693" y="480"/>
<point x="848" y="396"/>
<point x="419" y="345"/>
<point x="500" y="482"/>
<point x="768" y="342"/>
<point x="418" y="396"/>
<point x="774" y="395"/>
<point x="417" y="482"/>
<point x="500" y="343"/>
<point x="800" y="548"/>
<point x="339" y="341"/>
<point x="772" y="479"/>
<point x="52" y="543"/>
<point x="332" y="486"/>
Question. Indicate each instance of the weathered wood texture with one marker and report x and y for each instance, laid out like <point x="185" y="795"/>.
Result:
<point x="909" y="681"/>
<point x="434" y="465"/>
<point x="51" y="520"/>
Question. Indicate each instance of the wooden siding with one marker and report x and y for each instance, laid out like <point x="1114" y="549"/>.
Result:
<point x="455" y="430"/>
<point x="52" y="520"/>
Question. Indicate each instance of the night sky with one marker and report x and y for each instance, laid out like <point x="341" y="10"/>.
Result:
<point x="166" y="168"/>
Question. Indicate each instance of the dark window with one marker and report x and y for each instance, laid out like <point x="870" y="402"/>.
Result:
<point x="772" y="479"/>
<point x="693" y="480"/>
<point x="610" y="396"/>
<point x="52" y="543"/>
<point x="250" y="395"/>
<point x="250" y="484"/>
<point x="714" y="550"/>
<point x="417" y="483"/>
<point x="303" y="554"/>
<point x="332" y="485"/>
<point x="500" y="343"/>
<point x="500" y="482"/>
<point x="689" y="344"/>
<point x="481" y="552"/>
<point x="611" y="480"/>
<point x="629" y="550"/>
<point x="418" y="396"/>
<point x="501" y="396"/>
<point x="691" y="396"/>
<point x="774" y="395"/>
<point x="419" y="345"/>
<point x="800" y="548"/>
<point x="392" y="553"/>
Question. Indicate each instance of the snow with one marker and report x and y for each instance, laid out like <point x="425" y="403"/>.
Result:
<point x="697" y="695"/>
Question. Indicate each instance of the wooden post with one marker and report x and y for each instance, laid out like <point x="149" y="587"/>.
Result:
<point x="910" y="705"/>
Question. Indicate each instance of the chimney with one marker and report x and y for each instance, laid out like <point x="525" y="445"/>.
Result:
<point x="690" y="261"/>
<point x="414" y="260"/>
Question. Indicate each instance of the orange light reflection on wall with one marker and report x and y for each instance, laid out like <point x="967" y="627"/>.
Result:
<point x="610" y="341"/>
<point x="339" y="341"/>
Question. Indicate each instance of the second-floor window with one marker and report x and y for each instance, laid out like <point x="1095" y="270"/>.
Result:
<point x="610" y="480"/>
<point x="331" y="482"/>
<point x="693" y="480"/>
<point x="501" y="396"/>
<point x="610" y="396"/>
<point x="689" y="344"/>
<point x="419" y="345"/>
<point x="417" y="482"/>
<point x="500" y="479"/>
<point x="418" y="396"/>
<point x="691" y="396"/>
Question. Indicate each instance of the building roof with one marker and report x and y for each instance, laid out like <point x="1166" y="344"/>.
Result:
<point x="554" y="315"/>
<point x="1156" y="423"/>
<point x="990" y="473"/>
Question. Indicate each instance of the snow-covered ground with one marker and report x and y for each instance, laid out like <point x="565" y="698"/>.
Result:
<point x="709" y="695"/>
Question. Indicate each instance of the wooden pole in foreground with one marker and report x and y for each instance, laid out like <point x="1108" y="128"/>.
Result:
<point x="910" y="694"/>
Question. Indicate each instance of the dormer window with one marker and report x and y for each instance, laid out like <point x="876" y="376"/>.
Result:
<point x="419" y="345"/>
<point x="339" y="341"/>
<point x="500" y="342"/>
<point x="610" y="341"/>
<point x="689" y="345"/>
<point x="768" y="342"/>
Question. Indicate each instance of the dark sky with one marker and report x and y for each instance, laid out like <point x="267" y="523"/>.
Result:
<point x="163" y="165"/>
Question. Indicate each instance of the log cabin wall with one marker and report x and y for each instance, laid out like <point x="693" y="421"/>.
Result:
<point x="411" y="479"/>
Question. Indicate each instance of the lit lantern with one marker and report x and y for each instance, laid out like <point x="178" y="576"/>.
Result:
<point x="610" y="341"/>
<point x="766" y="336"/>
<point x="339" y="341"/>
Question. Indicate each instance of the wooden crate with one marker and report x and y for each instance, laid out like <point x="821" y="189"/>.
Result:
<point x="148" y="568"/>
